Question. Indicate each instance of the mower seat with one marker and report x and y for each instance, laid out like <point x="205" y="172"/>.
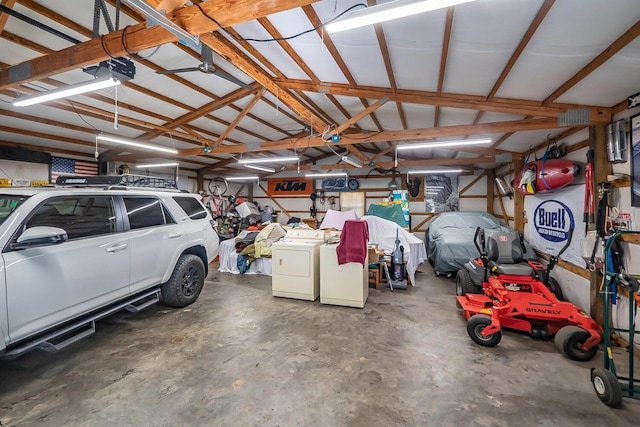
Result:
<point x="505" y="254"/>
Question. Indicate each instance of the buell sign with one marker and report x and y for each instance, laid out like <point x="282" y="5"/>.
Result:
<point x="289" y="187"/>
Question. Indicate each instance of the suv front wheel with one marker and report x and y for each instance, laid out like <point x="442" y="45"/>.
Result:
<point x="186" y="282"/>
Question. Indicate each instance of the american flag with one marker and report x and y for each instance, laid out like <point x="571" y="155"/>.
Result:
<point x="64" y="166"/>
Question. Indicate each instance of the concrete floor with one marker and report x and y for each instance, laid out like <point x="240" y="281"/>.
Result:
<point x="239" y="357"/>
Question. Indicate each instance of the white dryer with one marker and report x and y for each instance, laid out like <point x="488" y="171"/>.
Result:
<point x="346" y="284"/>
<point x="296" y="265"/>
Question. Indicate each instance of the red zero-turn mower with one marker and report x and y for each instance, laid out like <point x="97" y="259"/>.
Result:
<point x="518" y="300"/>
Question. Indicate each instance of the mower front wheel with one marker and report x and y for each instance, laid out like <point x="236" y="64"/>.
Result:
<point x="464" y="284"/>
<point x="569" y="341"/>
<point x="475" y="326"/>
<point x="607" y="387"/>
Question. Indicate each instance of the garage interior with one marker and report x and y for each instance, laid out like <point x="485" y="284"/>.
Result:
<point x="218" y="84"/>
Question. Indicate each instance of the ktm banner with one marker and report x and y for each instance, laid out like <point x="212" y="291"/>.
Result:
<point x="289" y="187"/>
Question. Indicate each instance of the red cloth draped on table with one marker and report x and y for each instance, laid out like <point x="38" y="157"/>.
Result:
<point x="353" y="242"/>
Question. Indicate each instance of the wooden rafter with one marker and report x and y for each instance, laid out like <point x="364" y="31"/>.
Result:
<point x="448" y="25"/>
<point x="386" y="57"/>
<point x="470" y="102"/>
<point x="328" y="42"/>
<point x="139" y="37"/>
<point x="224" y="48"/>
<point x="412" y="134"/>
<point x="3" y="16"/>
<point x="239" y="117"/>
<point x="533" y="27"/>
<point x="630" y="35"/>
<point x="88" y="33"/>
<point x="167" y="5"/>
<point x="409" y="163"/>
<point x="531" y="30"/>
<point x="203" y="110"/>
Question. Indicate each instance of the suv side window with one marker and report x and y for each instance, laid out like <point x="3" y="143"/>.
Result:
<point x="146" y="212"/>
<point x="79" y="216"/>
<point x="192" y="207"/>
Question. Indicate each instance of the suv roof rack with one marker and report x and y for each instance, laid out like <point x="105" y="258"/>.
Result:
<point x="119" y="182"/>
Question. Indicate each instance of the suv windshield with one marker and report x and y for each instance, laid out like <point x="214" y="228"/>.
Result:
<point x="8" y="204"/>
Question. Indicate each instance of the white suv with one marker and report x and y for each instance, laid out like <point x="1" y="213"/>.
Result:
<point x="71" y="256"/>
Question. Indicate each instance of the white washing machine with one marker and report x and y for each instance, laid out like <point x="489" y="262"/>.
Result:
<point x="296" y="268"/>
<point x="346" y="284"/>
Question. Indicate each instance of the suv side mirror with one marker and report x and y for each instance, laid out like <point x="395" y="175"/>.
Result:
<point x="40" y="236"/>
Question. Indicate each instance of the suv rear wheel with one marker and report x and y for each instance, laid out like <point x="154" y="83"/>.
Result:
<point x="186" y="282"/>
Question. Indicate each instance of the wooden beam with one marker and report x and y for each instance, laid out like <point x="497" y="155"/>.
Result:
<point x="518" y="201"/>
<point x="203" y="110"/>
<point x="412" y="134"/>
<point x="224" y="48"/>
<point x="580" y="271"/>
<point x="630" y="35"/>
<point x="3" y="16"/>
<point x="328" y="42"/>
<point x="448" y="25"/>
<point x="469" y="102"/>
<point x="406" y="163"/>
<point x="264" y="190"/>
<point x="373" y="107"/>
<point x="601" y="168"/>
<point x="533" y="27"/>
<point x="491" y="176"/>
<point x="167" y="5"/>
<point x="238" y="118"/>
<point x="474" y="181"/>
<point x="139" y="37"/>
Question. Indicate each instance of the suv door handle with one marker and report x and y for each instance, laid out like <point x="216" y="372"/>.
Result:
<point x="173" y="236"/>
<point x="117" y="248"/>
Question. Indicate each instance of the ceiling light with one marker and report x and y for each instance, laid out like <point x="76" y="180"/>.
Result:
<point x="434" y="171"/>
<point x="346" y="159"/>
<point x="260" y="168"/>
<point x="268" y="160"/>
<point x="157" y="165"/>
<point x="437" y="144"/>
<point x="243" y="178"/>
<point x="66" y="91"/>
<point x="388" y="11"/>
<point x="123" y="141"/>
<point x="325" y="174"/>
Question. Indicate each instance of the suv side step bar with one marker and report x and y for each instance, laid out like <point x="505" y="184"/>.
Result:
<point x="83" y="328"/>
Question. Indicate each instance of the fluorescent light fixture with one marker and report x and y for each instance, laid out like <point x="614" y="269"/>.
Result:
<point x="260" y="168"/>
<point x="157" y="165"/>
<point x="123" y="141"/>
<point x="268" y="160"/>
<point x="66" y="91"/>
<point x="325" y="174"/>
<point x="434" y="171"/>
<point x="157" y="16"/>
<point x="346" y="159"/>
<point x="242" y="178"/>
<point x="388" y="11"/>
<point x="437" y="144"/>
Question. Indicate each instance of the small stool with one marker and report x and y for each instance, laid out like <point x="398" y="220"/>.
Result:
<point x="374" y="275"/>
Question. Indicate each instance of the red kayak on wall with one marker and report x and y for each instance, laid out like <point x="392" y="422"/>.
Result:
<point x="542" y="176"/>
